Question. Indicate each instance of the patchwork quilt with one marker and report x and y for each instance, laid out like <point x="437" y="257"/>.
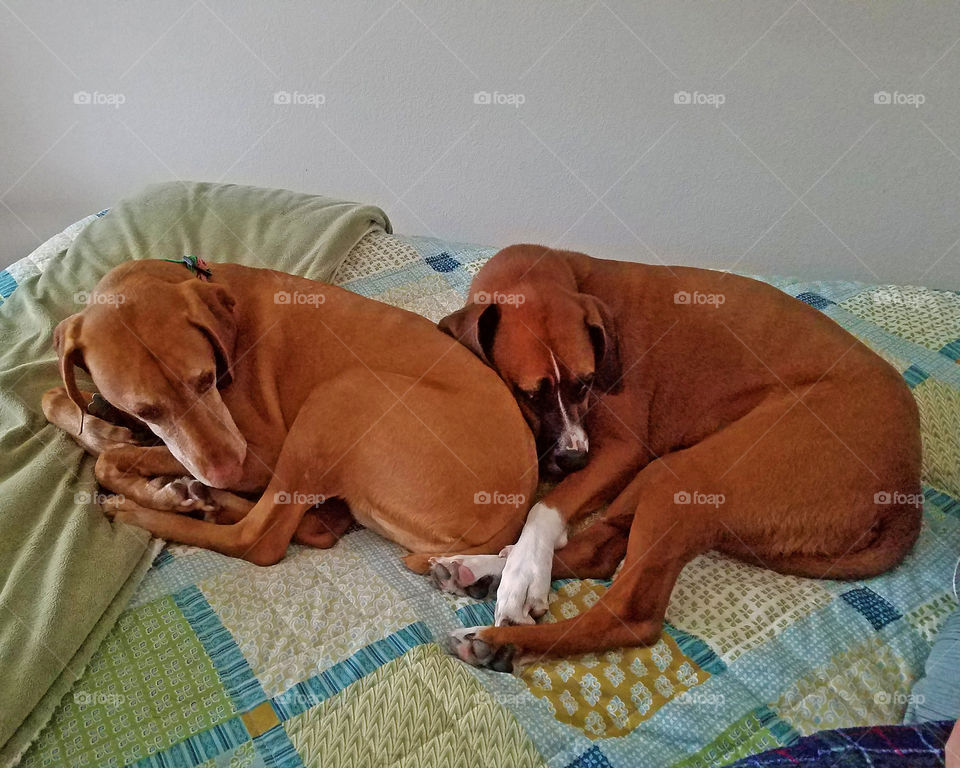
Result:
<point x="330" y="658"/>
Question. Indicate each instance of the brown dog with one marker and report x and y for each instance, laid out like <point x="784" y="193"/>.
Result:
<point x="260" y="382"/>
<point x="716" y="412"/>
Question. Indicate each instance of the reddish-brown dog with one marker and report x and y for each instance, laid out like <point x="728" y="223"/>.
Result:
<point x="716" y="413"/>
<point x="297" y="392"/>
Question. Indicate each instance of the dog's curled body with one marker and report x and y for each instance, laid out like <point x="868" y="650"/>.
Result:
<point x="261" y="382"/>
<point x="720" y="413"/>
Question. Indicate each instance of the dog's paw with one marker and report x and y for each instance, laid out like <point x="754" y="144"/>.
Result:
<point x="525" y="583"/>
<point x="521" y="598"/>
<point x="524" y="587"/>
<point x="112" y="504"/>
<point x="475" y="576"/>
<point x="181" y="494"/>
<point x="467" y="646"/>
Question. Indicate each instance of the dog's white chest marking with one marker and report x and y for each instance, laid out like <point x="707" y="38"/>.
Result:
<point x="573" y="437"/>
<point x="525" y="583"/>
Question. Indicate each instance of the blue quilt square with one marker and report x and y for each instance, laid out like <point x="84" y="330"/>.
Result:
<point x="7" y="284"/>
<point x="442" y="262"/>
<point x="592" y="758"/>
<point x="952" y="350"/>
<point x="876" y="609"/>
<point x="815" y="300"/>
<point x="946" y="504"/>
<point x="915" y="376"/>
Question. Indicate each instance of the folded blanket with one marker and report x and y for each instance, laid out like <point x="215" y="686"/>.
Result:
<point x="66" y="571"/>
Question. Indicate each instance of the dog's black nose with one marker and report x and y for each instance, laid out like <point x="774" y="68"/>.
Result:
<point x="570" y="460"/>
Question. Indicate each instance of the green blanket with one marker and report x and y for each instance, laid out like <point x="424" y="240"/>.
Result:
<point x="66" y="572"/>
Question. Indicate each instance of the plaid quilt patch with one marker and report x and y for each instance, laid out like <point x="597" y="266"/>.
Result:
<point x="892" y="746"/>
<point x="329" y="658"/>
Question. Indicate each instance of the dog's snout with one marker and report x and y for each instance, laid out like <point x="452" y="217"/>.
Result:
<point x="224" y="475"/>
<point x="571" y="459"/>
<point x="223" y="465"/>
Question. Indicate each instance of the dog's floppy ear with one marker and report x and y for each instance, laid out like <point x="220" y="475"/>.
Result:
<point x="606" y="344"/>
<point x="66" y="340"/>
<point x="210" y="308"/>
<point x="474" y="326"/>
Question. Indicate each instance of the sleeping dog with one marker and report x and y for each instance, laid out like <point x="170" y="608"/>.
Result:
<point x="710" y="411"/>
<point x="281" y="395"/>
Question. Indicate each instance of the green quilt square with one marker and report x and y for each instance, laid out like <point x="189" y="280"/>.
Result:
<point x="149" y="686"/>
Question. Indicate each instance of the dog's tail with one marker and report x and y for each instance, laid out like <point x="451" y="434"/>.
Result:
<point x="897" y="529"/>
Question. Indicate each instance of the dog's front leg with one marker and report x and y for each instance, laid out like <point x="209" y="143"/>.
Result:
<point x="152" y="477"/>
<point x="262" y="535"/>
<point x="525" y="583"/>
<point x="523" y="571"/>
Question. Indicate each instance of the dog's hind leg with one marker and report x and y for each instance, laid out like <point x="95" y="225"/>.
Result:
<point x="323" y="526"/>
<point x="97" y="435"/>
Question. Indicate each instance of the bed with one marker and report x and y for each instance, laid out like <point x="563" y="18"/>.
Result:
<point x="330" y="657"/>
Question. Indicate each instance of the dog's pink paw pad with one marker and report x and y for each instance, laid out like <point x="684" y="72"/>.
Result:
<point x="476" y="576"/>
<point x="467" y="646"/>
<point x="465" y="576"/>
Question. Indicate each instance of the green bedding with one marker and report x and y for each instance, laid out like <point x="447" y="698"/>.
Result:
<point x="66" y="571"/>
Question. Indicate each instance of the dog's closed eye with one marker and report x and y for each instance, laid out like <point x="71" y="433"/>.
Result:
<point x="202" y="383"/>
<point x="148" y="412"/>
<point x="532" y="395"/>
<point x="580" y="387"/>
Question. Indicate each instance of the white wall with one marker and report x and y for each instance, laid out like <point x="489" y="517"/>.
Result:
<point x="877" y="184"/>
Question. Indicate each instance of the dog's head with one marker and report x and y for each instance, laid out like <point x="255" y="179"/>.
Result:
<point x="159" y="345"/>
<point x="554" y="347"/>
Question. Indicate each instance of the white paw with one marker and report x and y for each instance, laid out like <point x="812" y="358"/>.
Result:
<point x="525" y="583"/>
<point x="522" y="595"/>
<point x="475" y="576"/>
